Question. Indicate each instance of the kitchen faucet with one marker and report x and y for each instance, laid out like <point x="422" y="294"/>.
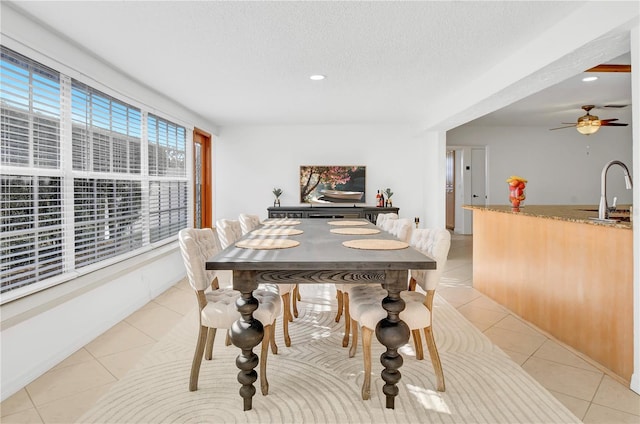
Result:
<point x="603" y="209"/>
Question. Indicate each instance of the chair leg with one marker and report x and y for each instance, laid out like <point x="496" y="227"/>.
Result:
<point x="412" y="284"/>
<point x="286" y="317"/>
<point x="339" y="298"/>
<point x="211" y="337"/>
<point x="197" y="359"/>
<point x="354" y="338"/>
<point x="417" y="343"/>
<point x="294" y="301"/>
<point x="347" y="319"/>
<point x="366" y="354"/>
<point x="272" y="338"/>
<point x="435" y="358"/>
<point x="264" y="351"/>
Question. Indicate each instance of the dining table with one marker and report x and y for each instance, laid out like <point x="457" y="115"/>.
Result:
<point x="319" y="251"/>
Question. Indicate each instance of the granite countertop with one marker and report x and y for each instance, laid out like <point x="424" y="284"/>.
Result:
<point x="571" y="213"/>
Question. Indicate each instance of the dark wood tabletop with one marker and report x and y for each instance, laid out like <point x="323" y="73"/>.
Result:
<point x="320" y="249"/>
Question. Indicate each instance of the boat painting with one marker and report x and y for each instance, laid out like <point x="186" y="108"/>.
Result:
<point x="332" y="184"/>
<point x="342" y="195"/>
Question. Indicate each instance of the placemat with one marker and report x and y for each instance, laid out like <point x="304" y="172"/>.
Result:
<point x="347" y="223"/>
<point x="276" y="232"/>
<point x="267" y="244"/>
<point x="281" y="222"/>
<point x="376" y="244"/>
<point x="354" y="231"/>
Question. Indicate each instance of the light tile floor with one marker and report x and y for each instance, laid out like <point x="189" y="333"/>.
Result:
<point x="69" y="389"/>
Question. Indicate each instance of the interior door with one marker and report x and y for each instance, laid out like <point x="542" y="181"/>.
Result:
<point x="478" y="177"/>
<point x="450" y="190"/>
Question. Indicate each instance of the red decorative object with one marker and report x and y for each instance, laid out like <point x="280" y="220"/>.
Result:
<point x="516" y="191"/>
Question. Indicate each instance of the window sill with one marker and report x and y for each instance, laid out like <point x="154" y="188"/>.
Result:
<point x="16" y="310"/>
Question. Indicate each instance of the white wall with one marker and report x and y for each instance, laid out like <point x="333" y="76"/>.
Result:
<point x="562" y="167"/>
<point x="250" y="161"/>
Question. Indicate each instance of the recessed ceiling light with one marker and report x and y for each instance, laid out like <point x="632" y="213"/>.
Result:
<point x="317" y="77"/>
<point x="587" y="79"/>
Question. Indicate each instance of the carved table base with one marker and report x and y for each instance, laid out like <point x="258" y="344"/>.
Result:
<point x="392" y="333"/>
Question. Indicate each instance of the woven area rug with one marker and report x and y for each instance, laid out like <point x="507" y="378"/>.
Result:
<point x="314" y="380"/>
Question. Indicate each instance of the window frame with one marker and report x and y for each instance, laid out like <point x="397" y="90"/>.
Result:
<point x="69" y="175"/>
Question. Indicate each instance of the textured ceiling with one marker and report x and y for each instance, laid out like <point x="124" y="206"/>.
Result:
<point x="245" y="63"/>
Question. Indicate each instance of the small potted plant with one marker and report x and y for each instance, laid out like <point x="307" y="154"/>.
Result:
<point x="277" y="192"/>
<point x="388" y="193"/>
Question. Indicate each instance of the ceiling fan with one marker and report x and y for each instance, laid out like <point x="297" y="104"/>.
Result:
<point x="589" y="124"/>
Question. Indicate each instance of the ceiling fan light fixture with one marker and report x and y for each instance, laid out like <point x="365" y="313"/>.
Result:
<point x="588" y="126"/>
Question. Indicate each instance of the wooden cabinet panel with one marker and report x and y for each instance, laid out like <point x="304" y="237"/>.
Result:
<point x="368" y="212"/>
<point x="572" y="280"/>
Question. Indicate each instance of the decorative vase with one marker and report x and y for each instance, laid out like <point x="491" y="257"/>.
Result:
<point x="276" y="202"/>
<point x="516" y="192"/>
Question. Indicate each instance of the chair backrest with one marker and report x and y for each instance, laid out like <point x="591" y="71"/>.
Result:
<point x="402" y="228"/>
<point x="433" y="242"/>
<point x="229" y="231"/>
<point x="388" y="224"/>
<point x="382" y="217"/>
<point x="248" y="222"/>
<point x="198" y="245"/>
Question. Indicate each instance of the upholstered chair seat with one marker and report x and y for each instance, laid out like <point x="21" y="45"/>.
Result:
<point x="217" y="308"/>
<point x="229" y="232"/>
<point x="366" y="305"/>
<point x="399" y="227"/>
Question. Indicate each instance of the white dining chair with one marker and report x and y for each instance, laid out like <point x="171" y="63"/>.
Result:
<point x="248" y="222"/>
<point x="229" y="232"/>
<point x="399" y="227"/>
<point x="217" y="306"/>
<point x="381" y="218"/>
<point x="366" y="310"/>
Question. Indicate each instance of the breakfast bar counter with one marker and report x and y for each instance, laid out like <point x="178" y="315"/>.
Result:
<point x="570" y="213"/>
<point x="566" y="273"/>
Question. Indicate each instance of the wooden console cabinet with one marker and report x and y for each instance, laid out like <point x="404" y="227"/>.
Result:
<point x="368" y="212"/>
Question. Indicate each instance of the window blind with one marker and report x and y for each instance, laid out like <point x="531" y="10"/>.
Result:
<point x="30" y="95"/>
<point x="31" y="227"/>
<point x="167" y="148"/>
<point x="107" y="219"/>
<point x="106" y="133"/>
<point x="99" y="195"/>
<point x="167" y="208"/>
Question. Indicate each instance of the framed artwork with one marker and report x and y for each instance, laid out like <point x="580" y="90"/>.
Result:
<point x="332" y="184"/>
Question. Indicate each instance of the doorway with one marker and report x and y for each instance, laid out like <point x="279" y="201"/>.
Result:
<point x="202" y="190"/>
<point x="450" y="190"/>
<point x="478" y="177"/>
<point x="469" y="185"/>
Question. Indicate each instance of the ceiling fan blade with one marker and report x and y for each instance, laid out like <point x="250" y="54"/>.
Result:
<point x="613" y="124"/>
<point x="568" y="123"/>
<point x="610" y="68"/>
<point x="608" y="120"/>
<point x="559" y="128"/>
